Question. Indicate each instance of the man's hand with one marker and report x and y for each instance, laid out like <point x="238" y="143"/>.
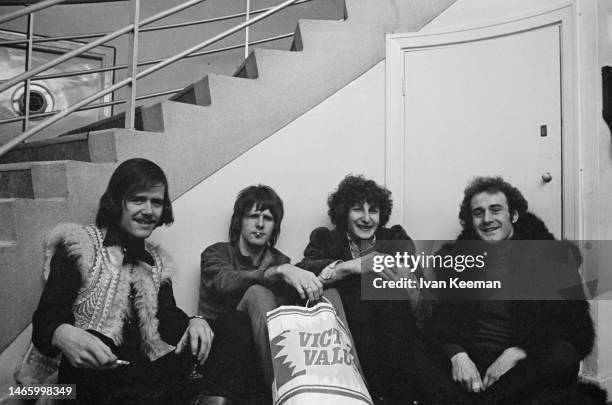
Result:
<point x="389" y="273"/>
<point x="82" y="349"/>
<point x="199" y="337"/>
<point x="466" y="373"/>
<point x="363" y="264"/>
<point x="502" y="364"/>
<point x="305" y="283"/>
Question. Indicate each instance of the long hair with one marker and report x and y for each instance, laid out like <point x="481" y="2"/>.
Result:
<point x="129" y="178"/>
<point x="357" y="190"/>
<point x="516" y="201"/>
<point x="263" y="198"/>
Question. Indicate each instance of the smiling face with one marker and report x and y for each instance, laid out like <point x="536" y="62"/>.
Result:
<point x="142" y="211"/>
<point x="491" y="216"/>
<point x="257" y="229"/>
<point x="363" y="220"/>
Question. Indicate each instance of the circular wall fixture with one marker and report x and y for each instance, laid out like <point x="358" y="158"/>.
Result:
<point x="41" y="100"/>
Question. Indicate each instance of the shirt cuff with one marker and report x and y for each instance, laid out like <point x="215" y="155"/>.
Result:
<point x="452" y="348"/>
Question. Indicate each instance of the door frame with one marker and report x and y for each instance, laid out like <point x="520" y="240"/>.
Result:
<point x="397" y="44"/>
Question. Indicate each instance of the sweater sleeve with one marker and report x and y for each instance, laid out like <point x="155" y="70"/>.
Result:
<point x="218" y="274"/>
<point x="448" y="326"/>
<point x="55" y="305"/>
<point x="447" y="329"/>
<point x="317" y="254"/>
<point x="172" y="320"/>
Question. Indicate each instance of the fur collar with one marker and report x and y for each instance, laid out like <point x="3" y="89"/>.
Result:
<point x="77" y="242"/>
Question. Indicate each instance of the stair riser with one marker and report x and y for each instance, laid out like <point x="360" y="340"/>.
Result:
<point x="56" y="180"/>
<point x="22" y="266"/>
<point x="59" y="151"/>
<point x="16" y="184"/>
<point x="116" y="121"/>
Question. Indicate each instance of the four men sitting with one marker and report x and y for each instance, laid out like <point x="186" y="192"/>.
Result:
<point x="108" y="304"/>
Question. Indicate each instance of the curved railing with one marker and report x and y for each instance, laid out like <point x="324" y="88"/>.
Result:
<point x="133" y="30"/>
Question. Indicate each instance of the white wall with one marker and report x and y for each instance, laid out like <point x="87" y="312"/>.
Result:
<point x="471" y="12"/>
<point x="303" y="162"/>
<point x="598" y="177"/>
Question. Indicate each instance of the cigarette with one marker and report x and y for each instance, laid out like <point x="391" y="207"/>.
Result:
<point x="122" y="363"/>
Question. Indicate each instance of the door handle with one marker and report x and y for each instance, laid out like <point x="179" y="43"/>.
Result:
<point x="547" y="177"/>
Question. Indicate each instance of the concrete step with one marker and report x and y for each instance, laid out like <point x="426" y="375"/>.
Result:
<point x="16" y="181"/>
<point x="119" y="144"/>
<point x="197" y="93"/>
<point x="75" y="147"/>
<point x="310" y="32"/>
<point x="109" y="145"/>
<point x="21" y="260"/>
<point x="272" y="65"/>
<point x="248" y="68"/>
<point x="116" y="121"/>
<point x="11" y="294"/>
<point x="53" y="179"/>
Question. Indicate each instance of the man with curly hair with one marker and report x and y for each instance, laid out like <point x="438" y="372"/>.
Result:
<point x="508" y="347"/>
<point x="382" y="329"/>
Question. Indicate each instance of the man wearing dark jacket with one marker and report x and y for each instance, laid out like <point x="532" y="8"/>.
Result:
<point x="507" y="345"/>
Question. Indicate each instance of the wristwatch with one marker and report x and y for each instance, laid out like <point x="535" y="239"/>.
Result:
<point x="329" y="272"/>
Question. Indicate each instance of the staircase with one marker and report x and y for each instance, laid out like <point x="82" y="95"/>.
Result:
<point x="196" y="132"/>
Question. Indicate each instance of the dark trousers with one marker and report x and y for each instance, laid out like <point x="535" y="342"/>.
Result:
<point x="553" y="364"/>
<point x="228" y="372"/>
<point x="383" y="332"/>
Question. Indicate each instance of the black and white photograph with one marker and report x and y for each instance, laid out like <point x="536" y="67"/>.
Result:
<point x="306" y="202"/>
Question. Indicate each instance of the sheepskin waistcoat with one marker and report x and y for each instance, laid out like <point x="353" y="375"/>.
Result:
<point x="103" y="300"/>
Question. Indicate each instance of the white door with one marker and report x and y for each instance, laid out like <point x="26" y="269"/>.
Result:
<point x="481" y="107"/>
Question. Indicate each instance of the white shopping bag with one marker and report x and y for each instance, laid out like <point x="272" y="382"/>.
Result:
<point x="313" y="358"/>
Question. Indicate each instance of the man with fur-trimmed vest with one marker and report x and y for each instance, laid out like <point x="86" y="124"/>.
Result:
<point x="510" y="344"/>
<point x="109" y="309"/>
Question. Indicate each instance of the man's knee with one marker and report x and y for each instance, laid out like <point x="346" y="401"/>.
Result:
<point x="257" y="300"/>
<point x="333" y="296"/>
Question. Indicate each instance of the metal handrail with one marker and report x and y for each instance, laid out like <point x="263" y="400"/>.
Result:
<point x="26" y="75"/>
<point x="154" y="61"/>
<point x="20" y="138"/>
<point x="30" y="9"/>
<point x="148" y="29"/>
<point x="54" y="39"/>
<point x="142" y="97"/>
<point x="215" y="39"/>
<point x="214" y="19"/>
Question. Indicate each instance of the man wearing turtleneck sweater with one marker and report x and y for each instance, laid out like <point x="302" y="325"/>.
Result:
<point x="108" y="307"/>
<point x="507" y="346"/>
